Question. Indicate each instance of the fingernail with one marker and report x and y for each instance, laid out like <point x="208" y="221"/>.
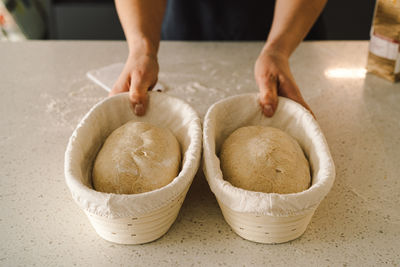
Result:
<point x="268" y="111"/>
<point x="139" y="109"/>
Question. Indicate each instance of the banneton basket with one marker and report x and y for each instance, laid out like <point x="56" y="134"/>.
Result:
<point x="257" y="216"/>
<point x="132" y="218"/>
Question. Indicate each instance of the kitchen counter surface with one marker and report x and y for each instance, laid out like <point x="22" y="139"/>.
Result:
<point x="45" y="93"/>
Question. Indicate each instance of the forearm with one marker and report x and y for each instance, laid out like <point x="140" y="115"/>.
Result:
<point x="292" y="21"/>
<point x="141" y="21"/>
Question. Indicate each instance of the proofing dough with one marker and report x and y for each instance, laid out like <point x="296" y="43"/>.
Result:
<point x="137" y="157"/>
<point x="264" y="159"/>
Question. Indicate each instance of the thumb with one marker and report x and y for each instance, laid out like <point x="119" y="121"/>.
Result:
<point x="139" y="99"/>
<point x="268" y="97"/>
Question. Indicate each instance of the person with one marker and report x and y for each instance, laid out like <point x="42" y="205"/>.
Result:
<point x="142" y="22"/>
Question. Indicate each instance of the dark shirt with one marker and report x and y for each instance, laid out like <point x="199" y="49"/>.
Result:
<point x="223" y="20"/>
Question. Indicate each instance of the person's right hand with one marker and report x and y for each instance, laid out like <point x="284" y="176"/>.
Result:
<point x="138" y="76"/>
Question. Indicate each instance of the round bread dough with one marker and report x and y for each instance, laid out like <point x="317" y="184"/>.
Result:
<point x="264" y="159"/>
<point x="137" y="157"/>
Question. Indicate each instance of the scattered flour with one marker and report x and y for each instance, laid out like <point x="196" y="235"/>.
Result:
<point x="68" y="106"/>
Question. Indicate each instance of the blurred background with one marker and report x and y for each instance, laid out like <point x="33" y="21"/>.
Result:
<point x="98" y="20"/>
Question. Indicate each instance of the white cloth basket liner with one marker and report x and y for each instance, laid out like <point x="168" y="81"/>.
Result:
<point x="232" y="113"/>
<point x="96" y="126"/>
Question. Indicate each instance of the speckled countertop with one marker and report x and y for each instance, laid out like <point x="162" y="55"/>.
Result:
<point x="45" y="93"/>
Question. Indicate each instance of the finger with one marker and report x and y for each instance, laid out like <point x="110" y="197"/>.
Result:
<point x="304" y="104"/>
<point x="120" y="86"/>
<point x="151" y="87"/>
<point x="138" y="95"/>
<point x="138" y="98"/>
<point x="268" y="97"/>
<point x="291" y="90"/>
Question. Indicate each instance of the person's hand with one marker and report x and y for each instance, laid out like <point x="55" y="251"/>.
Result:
<point x="273" y="77"/>
<point x="138" y="76"/>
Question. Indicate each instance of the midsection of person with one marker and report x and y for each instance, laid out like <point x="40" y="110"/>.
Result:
<point x="208" y="20"/>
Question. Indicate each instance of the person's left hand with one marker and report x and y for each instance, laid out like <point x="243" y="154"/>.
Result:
<point x="273" y="77"/>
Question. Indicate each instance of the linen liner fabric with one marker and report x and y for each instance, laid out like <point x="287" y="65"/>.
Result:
<point x="231" y="113"/>
<point x="97" y="125"/>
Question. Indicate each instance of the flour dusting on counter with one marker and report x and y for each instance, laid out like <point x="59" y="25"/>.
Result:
<point x="68" y="106"/>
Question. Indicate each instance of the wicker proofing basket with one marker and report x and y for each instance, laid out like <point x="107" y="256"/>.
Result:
<point x="256" y="216"/>
<point x="265" y="228"/>
<point x="140" y="229"/>
<point x="136" y="218"/>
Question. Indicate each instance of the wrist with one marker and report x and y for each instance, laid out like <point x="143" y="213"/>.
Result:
<point x="277" y="48"/>
<point x="142" y="46"/>
<point x="274" y="53"/>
